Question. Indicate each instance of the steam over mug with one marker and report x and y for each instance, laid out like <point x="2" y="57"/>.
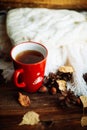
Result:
<point x="29" y="72"/>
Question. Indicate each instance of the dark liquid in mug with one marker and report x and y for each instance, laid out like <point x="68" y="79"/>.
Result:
<point x="29" y="57"/>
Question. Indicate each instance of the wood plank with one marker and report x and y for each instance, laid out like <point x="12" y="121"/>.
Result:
<point x="52" y="115"/>
<point x="69" y="4"/>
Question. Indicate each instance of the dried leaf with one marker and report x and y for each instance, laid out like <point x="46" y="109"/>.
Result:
<point x="30" y="118"/>
<point x="84" y="101"/>
<point x="24" y="100"/>
<point x="84" y="121"/>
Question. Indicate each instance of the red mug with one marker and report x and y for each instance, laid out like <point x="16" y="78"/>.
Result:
<point x="29" y="76"/>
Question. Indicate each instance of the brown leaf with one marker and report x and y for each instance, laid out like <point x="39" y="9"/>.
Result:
<point x="24" y="100"/>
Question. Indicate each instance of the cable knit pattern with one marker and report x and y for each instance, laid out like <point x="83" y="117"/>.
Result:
<point x="63" y="32"/>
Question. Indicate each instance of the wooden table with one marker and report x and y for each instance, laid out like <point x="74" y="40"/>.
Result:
<point x="52" y="115"/>
<point x="59" y="4"/>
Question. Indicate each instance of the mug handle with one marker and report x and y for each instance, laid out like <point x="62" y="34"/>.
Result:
<point x="16" y="75"/>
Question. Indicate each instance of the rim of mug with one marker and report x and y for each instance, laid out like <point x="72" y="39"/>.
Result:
<point x="29" y="63"/>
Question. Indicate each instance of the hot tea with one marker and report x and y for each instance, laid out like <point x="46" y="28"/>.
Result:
<point x="29" y="60"/>
<point x="29" y="56"/>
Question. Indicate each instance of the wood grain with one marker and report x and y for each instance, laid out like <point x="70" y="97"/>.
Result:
<point x="69" y="4"/>
<point x="52" y="115"/>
